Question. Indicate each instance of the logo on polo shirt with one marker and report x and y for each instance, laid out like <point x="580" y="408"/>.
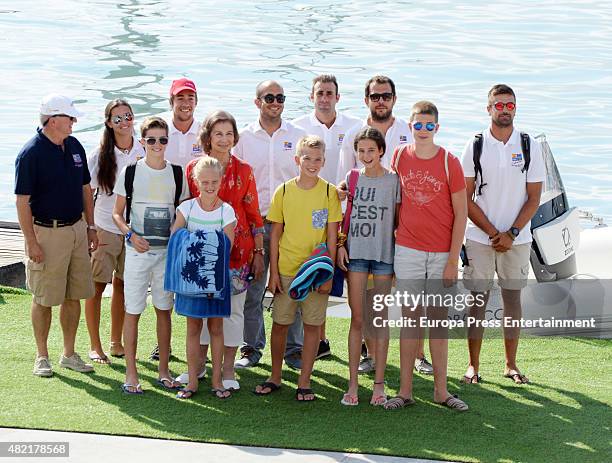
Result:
<point x="403" y="139"/>
<point x="78" y="162"/>
<point x="195" y="148"/>
<point x="287" y="145"/>
<point x="340" y="138"/>
<point x="517" y="159"/>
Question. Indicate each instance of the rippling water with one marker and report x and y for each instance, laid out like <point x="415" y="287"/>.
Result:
<point x="557" y="55"/>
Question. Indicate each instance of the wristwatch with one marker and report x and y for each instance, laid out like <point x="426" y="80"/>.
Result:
<point x="128" y="235"/>
<point x="513" y="233"/>
<point x="92" y="227"/>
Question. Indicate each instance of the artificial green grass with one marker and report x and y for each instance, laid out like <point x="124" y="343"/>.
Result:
<point x="562" y="415"/>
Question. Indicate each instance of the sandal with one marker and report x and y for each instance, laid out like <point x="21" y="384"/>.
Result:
<point x="173" y="385"/>
<point x="454" y="403"/>
<point x="350" y="400"/>
<point x="517" y="377"/>
<point x="378" y="400"/>
<point x="267" y="385"/>
<point x="114" y="350"/>
<point x="474" y="379"/>
<point x="185" y="394"/>
<point x="220" y="393"/>
<point x="303" y="391"/>
<point x="398" y="402"/>
<point x="132" y="388"/>
<point x="97" y="358"/>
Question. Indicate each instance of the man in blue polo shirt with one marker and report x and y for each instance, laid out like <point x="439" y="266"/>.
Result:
<point x="52" y="189"/>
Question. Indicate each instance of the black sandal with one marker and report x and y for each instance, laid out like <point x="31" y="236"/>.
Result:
<point x="304" y="392"/>
<point x="267" y="385"/>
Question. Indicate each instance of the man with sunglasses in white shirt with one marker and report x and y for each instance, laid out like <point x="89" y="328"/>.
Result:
<point x="380" y="98"/>
<point x="268" y="145"/>
<point x="502" y="198"/>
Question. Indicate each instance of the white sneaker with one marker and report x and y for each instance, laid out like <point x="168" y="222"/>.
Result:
<point x="76" y="363"/>
<point x="183" y="378"/>
<point x="42" y="367"/>
<point x="366" y="365"/>
<point x="423" y="366"/>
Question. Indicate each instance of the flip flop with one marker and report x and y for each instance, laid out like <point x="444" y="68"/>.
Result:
<point x="185" y="394"/>
<point x="132" y="389"/>
<point x="350" y="400"/>
<point x="517" y="377"/>
<point x="398" y="402"/>
<point x="475" y="379"/>
<point x="220" y="393"/>
<point x="304" y="391"/>
<point x="378" y="400"/>
<point x="162" y="382"/>
<point x="113" y="352"/>
<point x="231" y="385"/>
<point x="96" y="358"/>
<point x="454" y="403"/>
<point x="267" y="385"/>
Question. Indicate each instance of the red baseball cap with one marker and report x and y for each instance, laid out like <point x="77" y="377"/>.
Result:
<point x="181" y="84"/>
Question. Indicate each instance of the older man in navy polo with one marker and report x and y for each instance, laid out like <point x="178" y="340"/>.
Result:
<point x="52" y="189"/>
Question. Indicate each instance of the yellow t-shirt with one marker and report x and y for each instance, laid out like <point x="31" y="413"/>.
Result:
<point x="305" y="214"/>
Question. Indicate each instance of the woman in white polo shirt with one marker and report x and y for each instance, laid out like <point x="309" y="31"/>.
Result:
<point x="118" y="148"/>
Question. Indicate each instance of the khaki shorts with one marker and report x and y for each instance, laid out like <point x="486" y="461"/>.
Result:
<point x="512" y="267"/>
<point x="109" y="258"/>
<point x="65" y="272"/>
<point x="314" y="307"/>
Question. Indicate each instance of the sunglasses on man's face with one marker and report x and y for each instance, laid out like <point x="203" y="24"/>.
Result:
<point x="127" y="117"/>
<point x="430" y="126"/>
<point x="73" y="119"/>
<point x="499" y="106"/>
<point x="269" y="98"/>
<point x="387" y="96"/>
<point x="152" y="140"/>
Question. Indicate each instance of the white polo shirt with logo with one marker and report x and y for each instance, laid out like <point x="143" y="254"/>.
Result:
<point x="272" y="158"/>
<point x="332" y="136"/>
<point x="103" y="208"/>
<point x="505" y="191"/>
<point x="183" y="147"/>
<point x="399" y="133"/>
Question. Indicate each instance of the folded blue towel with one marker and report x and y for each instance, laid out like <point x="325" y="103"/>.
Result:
<point x="315" y="271"/>
<point x="197" y="264"/>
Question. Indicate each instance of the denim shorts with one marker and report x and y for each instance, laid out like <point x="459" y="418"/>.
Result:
<point x="370" y="266"/>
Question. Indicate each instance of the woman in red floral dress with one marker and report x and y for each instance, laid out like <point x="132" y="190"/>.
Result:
<point x="218" y="135"/>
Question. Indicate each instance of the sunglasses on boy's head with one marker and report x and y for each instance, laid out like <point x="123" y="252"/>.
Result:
<point x="152" y="140"/>
<point x="387" y="96"/>
<point x="127" y="117"/>
<point x="269" y="98"/>
<point x="430" y="126"/>
<point x="499" y="106"/>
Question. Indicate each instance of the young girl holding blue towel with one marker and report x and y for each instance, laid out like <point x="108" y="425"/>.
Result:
<point x="206" y="212"/>
<point x="374" y="196"/>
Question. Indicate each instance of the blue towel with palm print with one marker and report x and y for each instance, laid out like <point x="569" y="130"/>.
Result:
<point x="197" y="264"/>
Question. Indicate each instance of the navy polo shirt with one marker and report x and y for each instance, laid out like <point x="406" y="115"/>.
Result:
<point x="53" y="177"/>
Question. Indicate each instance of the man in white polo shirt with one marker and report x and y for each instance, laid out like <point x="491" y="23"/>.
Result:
<point x="502" y="198"/>
<point x="268" y="145"/>
<point x="327" y="123"/>
<point x="183" y="143"/>
<point x="380" y="97"/>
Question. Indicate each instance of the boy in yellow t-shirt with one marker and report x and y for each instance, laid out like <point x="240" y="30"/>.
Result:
<point x="305" y="212"/>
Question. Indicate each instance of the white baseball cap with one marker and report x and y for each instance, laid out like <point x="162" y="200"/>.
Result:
<point x="55" y="104"/>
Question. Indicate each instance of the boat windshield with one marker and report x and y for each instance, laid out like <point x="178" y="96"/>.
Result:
<point x="553" y="185"/>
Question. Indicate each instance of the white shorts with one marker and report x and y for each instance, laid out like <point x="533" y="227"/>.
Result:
<point x="142" y="270"/>
<point x="233" y="327"/>
<point x="419" y="272"/>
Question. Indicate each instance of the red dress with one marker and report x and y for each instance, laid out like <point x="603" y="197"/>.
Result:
<point x="238" y="190"/>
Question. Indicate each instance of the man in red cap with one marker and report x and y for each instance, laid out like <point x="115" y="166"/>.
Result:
<point x="183" y="143"/>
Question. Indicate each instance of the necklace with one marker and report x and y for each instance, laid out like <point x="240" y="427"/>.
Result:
<point x="127" y="150"/>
